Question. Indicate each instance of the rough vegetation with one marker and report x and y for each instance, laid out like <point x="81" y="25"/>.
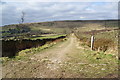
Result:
<point x="105" y="38"/>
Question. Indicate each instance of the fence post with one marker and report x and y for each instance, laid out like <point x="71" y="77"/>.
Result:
<point x="92" y="42"/>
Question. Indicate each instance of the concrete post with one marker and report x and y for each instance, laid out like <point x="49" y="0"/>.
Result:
<point x="92" y="42"/>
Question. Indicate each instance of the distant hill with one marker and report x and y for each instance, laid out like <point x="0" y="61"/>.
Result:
<point x="53" y="27"/>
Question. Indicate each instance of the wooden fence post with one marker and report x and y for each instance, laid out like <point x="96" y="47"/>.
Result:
<point x="92" y="42"/>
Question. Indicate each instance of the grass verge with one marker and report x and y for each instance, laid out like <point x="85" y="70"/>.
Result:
<point x="92" y="64"/>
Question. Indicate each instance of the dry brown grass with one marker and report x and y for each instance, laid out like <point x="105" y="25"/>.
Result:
<point x="103" y="44"/>
<point x="99" y="44"/>
<point x="104" y="39"/>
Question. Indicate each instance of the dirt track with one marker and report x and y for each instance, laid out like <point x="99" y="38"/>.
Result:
<point x="44" y="64"/>
<point x="64" y="60"/>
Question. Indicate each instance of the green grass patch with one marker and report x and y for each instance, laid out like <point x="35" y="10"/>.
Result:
<point x="49" y="37"/>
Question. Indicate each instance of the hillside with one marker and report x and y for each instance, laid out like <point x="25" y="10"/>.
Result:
<point x="61" y="49"/>
<point x="54" y="27"/>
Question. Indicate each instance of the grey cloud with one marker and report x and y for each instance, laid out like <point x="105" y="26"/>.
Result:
<point x="41" y="11"/>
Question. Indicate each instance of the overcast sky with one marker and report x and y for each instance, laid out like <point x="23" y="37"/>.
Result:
<point x="52" y="11"/>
